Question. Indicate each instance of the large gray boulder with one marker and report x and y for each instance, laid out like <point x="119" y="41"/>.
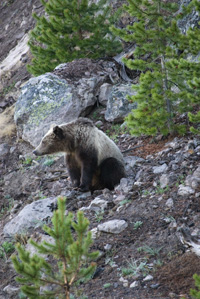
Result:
<point x="41" y="103"/>
<point x="47" y="100"/>
<point x="59" y="97"/>
<point x="31" y="216"/>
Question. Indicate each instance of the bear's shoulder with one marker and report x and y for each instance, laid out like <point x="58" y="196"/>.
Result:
<point x="84" y="122"/>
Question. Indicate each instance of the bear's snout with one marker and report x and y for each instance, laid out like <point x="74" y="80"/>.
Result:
<point x="35" y="152"/>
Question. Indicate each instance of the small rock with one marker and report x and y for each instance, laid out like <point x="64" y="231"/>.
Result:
<point x="107" y="247"/>
<point x="169" y="203"/>
<point x="148" y="277"/>
<point x="173" y="225"/>
<point x="120" y="208"/>
<point x="167" y="180"/>
<point x="134" y="284"/>
<point x="107" y="194"/>
<point x="191" y="145"/>
<point x="96" y="205"/>
<point x="168" y="219"/>
<point x="17" y="85"/>
<point x="95" y="233"/>
<point x="174" y="166"/>
<point x="184" y="164"/>
<point x="119" y="199"/>
<point x="124" y="281"/>
<point x="12" y="149"/>
<point x="113" y="226"/>
<point x="131" y="161"/>
<point x="197" y="149"/>
<point x="160" y="169"/>
<point x="155" y="184"/>
<point x="3" y="104"/>
<point x="125" y="186"/>
<point x="113" y="265"/>
<point x="195" y="184"/>
<point x="185" y="190"/>
<point x="155" y="206"/>
<point x="99" y="123"/>
<point x="164" y="180"/>
<point x="154" y="286"/>
<point x="193" y="180"/>
<point x="4" y="149"/>
<point x="104" y="91"/>
<point x="11" y="290"/>
<point x="84" y="195"/>
<point x="175" y="144"/>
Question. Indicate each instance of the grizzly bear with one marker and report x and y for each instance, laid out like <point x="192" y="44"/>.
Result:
<point x="93" y="159"/>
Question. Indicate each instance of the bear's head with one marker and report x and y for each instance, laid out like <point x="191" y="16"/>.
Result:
<point x="52" y="142"/>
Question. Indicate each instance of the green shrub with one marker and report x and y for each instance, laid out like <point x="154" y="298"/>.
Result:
<point x="196" y="293"/>
<point x="69" y="255"/>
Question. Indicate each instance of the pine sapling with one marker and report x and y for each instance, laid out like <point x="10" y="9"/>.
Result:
<point x="195" y="293"/>
<point x="69" y="30"/>
<point x="71" y="261"/>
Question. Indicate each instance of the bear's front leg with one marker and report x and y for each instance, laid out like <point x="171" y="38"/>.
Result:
<point x="88" y="169"/>
<point x="74" y="169"/>
<point x="87" y="173"/>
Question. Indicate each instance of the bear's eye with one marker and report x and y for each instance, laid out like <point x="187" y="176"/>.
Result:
<point x="45" y="141"/>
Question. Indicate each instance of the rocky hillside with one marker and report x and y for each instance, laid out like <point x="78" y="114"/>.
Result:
<point x="16" y="22"/>
<point x="136" y="227"/>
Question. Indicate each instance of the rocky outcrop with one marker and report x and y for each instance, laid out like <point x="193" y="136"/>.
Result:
<point x="55" y="99"/>
<point x="118" y="105"/>
<point x="14" y="59"/>
<point x="71" y="91"/>
<point x="16" y="22"/>
<point x="44" y="100"/>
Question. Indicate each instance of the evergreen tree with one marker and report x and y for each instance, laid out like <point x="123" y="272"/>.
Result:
<point x="195" y="293"/>
<point x="70" y="258"/>
<point x="71" y="29"/>
<point x="168" y="81"/>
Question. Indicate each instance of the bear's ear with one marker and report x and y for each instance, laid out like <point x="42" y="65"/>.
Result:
<point x="58" y="132"/>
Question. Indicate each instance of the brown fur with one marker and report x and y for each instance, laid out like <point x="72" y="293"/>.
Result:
<point x="93" y="160"/>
